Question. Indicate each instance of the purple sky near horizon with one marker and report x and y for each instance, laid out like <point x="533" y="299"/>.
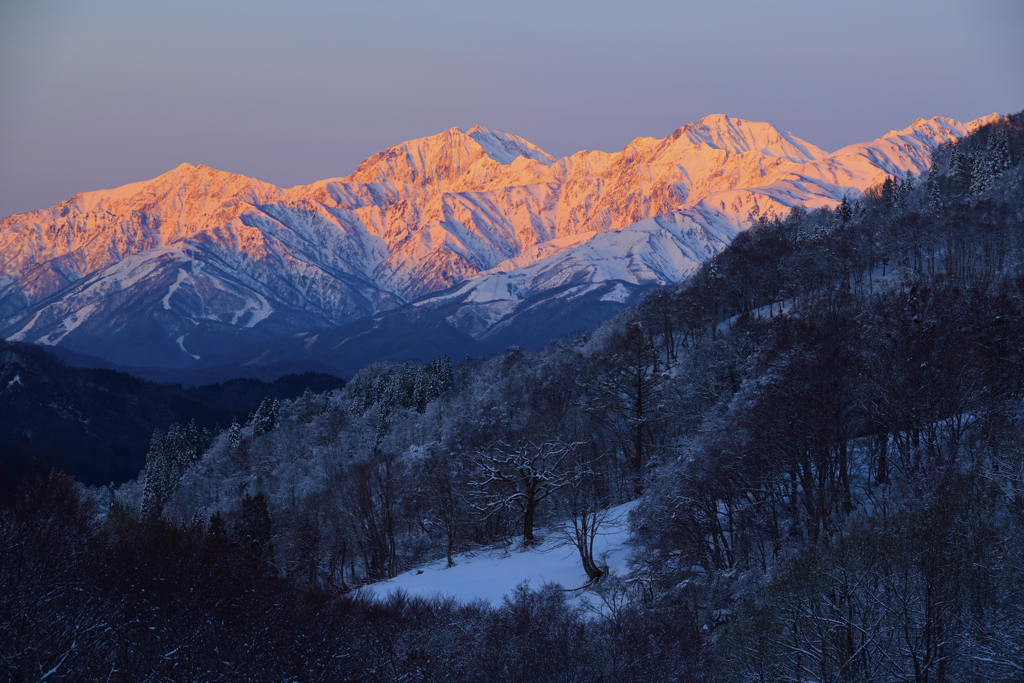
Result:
<point x="103" y="93"/>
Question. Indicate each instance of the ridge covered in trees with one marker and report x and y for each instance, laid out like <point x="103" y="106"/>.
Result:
<point x="96" y="424"/>
<point x="822" y="426"/>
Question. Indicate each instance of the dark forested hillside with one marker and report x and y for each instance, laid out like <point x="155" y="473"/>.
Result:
<point x="822" y="429"/>
<point x="97" y="424"/>
<point x="850" y="506"/>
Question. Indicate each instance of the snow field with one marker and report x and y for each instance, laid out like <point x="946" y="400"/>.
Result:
<point x="492" y="573"/>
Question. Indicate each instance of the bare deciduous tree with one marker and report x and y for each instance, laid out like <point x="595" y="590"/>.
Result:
<point x="521" y="476"/>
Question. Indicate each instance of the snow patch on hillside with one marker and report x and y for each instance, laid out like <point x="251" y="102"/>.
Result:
<point x="182" y="275"/>
<point x="181" y="345"/>
<point x="68" y="325"/>
<point x="257" y="310"/>
<point x="618" y="294"/>
<point x="491" y="574"/>
<point x="20" y="334"/>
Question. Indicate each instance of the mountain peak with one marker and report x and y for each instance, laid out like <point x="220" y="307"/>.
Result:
<point x="642" y="143"/>
<point x="505" y="148"/>
<point x="943" y="127"/>
<point x="738" y="136"/>
<point x="983" y="121"/>
<point x="442" y="159"/>
<point x="715" y="120"/>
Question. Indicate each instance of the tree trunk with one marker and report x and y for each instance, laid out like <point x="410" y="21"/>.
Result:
<point x="882" y="477"/>
<point x="589" y="566"/>
<point x="531" y="506"/>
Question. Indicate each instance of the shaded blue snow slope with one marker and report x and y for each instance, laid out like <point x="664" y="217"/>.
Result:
<point x="491" y="574"/>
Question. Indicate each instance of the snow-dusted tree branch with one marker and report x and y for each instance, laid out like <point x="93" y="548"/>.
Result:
<point x="521" y="475"/>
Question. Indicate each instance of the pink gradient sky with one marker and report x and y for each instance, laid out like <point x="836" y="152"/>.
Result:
<point x="102" y="93"/>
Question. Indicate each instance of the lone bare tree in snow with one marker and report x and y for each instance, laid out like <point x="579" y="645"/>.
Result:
<point x="521" y="476"/>
<point x="583" y="501"/>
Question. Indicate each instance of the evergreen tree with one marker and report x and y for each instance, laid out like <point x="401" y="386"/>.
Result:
<point x="424" y="391"/>
<point x="959" y="174"/>
<point x="234" y="433"/>
<point x="981" y="177"/>
<point x="444" y="374"/>
<point x="934" y="191"/>
<point x="904" y="193"/>
<point x="170" y="456"/>
<point x="194" y="446"/>
<point x="265" y="418"/>
<point x="217" y="526"/>
<point x="889" y="192"/>
<point x="844" y="213"/>
<point x="323" y="404"/>
<point x="999" y="145"/>
<point x="155" y="477"/>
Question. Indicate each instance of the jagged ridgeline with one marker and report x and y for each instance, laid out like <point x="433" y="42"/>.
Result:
<point x="458" y="243"/>
<point x="820" y="429"/>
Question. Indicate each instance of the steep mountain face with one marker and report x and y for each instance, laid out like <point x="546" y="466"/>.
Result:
<point x="667" y="247"/>
<point x="173" y="270"/>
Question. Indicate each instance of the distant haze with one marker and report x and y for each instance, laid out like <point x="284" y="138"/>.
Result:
<point x="96" y="95"/>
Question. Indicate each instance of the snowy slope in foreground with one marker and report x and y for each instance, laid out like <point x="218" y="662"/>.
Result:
<point x="491" y="574"/>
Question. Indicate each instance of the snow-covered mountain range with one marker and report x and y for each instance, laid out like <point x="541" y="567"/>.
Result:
<point x="475" y="229"/>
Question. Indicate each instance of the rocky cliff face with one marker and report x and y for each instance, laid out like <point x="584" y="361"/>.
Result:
<point x="167" y="271"/>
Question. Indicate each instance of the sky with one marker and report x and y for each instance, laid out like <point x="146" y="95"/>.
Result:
<point x="97" y="94"/>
